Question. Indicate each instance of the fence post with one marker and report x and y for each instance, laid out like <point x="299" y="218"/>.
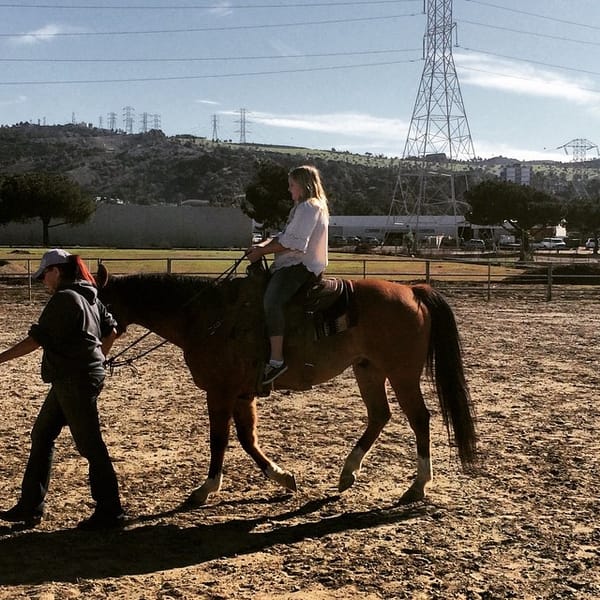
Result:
<point x="428" y="272"/>
<point x="169" y="269"/>
<point x="489" y="281"/>
<point x="549" y="287"/>
<point x="29" y="282"/>
<point x="364" y="268"/>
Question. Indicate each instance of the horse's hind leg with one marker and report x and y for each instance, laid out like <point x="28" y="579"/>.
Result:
<point x="410" y="398"/>
<point x="371" y="383"/>
<point x="244" y="415"/>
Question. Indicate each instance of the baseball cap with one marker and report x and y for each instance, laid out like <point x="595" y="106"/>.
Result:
<point x="56" y="256"/>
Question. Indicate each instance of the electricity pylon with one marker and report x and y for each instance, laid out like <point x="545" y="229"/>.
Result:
<point x="579" y="148"/>
<point x="439" y="131"/>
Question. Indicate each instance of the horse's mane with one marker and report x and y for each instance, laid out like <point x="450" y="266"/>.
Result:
<point x="170" y="292"/>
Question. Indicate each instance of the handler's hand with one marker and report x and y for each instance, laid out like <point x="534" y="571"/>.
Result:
<point x="254" y="253"/>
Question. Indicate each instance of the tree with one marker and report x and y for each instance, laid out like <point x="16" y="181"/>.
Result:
<point x="43" y="196"/>
<point x="520" y="209"/>
<point x="267" y="199"/>
<point x="585" y="215"/>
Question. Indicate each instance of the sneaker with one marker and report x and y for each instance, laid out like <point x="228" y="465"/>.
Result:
<point x="272" y="372"/>
<point x="17" y="514"/>
<point x="100" y="521"/>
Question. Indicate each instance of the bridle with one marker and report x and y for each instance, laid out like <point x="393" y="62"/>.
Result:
<point x="114" y="362"/>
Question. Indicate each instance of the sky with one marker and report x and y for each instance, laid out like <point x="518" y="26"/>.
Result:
<point x="317" y="74"/>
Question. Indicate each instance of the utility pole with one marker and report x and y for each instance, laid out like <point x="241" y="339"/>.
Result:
<point x="579" y="148"/>
<point x="111" y="120"/>
<point x="438" y="133"/>
<point x="144" y="123"/>
<point x="242" y="123"/>
<point x="156" y="121"/>
<point x="128" y="116"/>
<point x="215" y="132"/>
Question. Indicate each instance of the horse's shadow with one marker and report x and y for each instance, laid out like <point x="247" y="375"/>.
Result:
<point x="35" y="557"/>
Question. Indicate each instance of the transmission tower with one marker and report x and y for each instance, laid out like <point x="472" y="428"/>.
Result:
<point x="128" y="116"/>
<point x="439" y="131"/>
<point x="156" y="121"/>
<point x="144" y="123"/>
<point x="111" y="120"/>
<point x="243" y="126"/>
<point x="215" y="132"/>
<point x="579" y="148"/>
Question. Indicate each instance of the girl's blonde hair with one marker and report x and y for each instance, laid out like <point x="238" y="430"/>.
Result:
<point x="309" y="179"/>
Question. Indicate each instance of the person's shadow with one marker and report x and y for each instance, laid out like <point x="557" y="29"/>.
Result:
<point x="33" y="557"/>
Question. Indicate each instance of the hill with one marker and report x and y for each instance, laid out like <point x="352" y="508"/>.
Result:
<point x="151" y="168"/>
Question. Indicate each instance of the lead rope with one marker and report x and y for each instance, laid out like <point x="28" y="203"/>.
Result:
<point x="112" y="363"/>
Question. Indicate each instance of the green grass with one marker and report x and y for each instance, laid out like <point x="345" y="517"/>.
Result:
<point x="214" y="262"/>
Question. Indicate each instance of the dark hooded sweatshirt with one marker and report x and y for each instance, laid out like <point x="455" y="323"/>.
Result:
<point x="70" y="330"/>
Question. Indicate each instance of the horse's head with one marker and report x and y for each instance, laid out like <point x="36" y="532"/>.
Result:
<point x="109" y="296"/>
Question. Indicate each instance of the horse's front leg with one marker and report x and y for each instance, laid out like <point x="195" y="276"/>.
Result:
<point x="220" y="409"/>
<point x="244" y="414"/>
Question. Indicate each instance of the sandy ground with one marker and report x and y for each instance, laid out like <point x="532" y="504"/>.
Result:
<point x="525" y="527"/>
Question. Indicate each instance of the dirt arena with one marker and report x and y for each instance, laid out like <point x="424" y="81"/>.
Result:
<point x="525" y="527"/>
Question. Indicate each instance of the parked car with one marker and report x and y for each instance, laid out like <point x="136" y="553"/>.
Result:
<point x="338" y="240"/>
<point x="591" y="243"/>
<point x="474" y="244"/>
<point x="551" y="243"/>
<point x="370" y="241"/>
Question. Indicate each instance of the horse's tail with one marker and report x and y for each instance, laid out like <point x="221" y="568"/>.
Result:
<point x="445" y="367"/>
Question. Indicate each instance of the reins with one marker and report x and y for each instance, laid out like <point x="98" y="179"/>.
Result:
<point x="113" y="363"/>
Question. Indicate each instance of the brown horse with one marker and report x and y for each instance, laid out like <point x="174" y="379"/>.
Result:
<point x="396" y="331"/>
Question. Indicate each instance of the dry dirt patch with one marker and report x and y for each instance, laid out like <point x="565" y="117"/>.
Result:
<point x="525" y="527"/>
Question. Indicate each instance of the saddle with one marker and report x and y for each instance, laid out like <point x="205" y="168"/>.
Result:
<point x="326" y="302"/>
<point x="329" y="303"/>
<point x="320" y="308"/>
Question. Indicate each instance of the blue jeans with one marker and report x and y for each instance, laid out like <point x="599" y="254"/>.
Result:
<point x="282" y="286"/>
<point x="70" y="402"/>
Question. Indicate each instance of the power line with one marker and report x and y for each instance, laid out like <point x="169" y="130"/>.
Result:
<point x="534" y="62"/>
<point x="205" y="29"/>
<point x="534" y="33"/>
<point x="203" y="7"/>
<point x="206" y="58"/>
<point x="214" y="76"/>
<point x="537" y="15"/>
<point x="520" y="77"/>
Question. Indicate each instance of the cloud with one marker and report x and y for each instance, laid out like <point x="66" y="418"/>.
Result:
<point x="221" y="9"/>
<point x="525" y="79"/>
<point x="487" y="149"/>
<point x="43" y="34"/>
<point x="14" y="101"/>
<point x="357" y="125"/>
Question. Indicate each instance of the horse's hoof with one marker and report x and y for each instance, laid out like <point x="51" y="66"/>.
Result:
<point x="289" y="483"/>
<point x="283" y="478"/>
<point x="197" y="498"/>
<point x="347" y="480"/>
<point x="412" y="494"/>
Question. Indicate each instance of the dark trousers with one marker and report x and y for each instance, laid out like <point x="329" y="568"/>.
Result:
<point x="70" y="402"/>
<point x="282" y="286"/>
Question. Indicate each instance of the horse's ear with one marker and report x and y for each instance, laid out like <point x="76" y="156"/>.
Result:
<point x="101" y="276"/>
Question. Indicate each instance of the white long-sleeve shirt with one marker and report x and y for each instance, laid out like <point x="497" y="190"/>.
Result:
<point x="305" y="238"/>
